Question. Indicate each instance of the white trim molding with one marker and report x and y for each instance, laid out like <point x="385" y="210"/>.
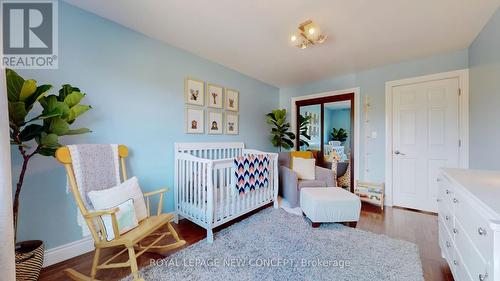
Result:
<point x="68" y="251"/>
<point x="463" y="78"/>
<point x="357" y="118"/>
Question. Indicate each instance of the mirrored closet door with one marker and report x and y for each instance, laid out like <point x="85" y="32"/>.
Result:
<point x="325" y="126"/>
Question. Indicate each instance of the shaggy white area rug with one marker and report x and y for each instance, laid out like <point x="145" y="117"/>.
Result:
<point x="275" y="245"/>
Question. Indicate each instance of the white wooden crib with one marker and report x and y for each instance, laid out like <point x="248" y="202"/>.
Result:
<point x="204" y="179"/>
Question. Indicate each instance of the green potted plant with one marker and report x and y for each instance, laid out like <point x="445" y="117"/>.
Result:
<point x="339" y="136"/>
<point x="303" y="126"/>
<point x="281" y="136"/>
<point x="36" y="133"/>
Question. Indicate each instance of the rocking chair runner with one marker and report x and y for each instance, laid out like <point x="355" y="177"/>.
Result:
<point x="130" y="241"/>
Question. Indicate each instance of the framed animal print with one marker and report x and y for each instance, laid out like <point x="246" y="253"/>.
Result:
<point x="194" y="91"/>
<point x="232" y="100"/>
<point x="214" y="122"/>
<point x="214" y="96"/>
<point x="232" y="126"/>
<point x="195" y="121"/>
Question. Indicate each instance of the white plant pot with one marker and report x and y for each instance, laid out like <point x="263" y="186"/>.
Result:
<point x="336" y="143"/>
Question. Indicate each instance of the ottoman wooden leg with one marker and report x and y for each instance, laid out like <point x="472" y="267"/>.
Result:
<point x="352" y="224"/>
<point x="315" y="224"/>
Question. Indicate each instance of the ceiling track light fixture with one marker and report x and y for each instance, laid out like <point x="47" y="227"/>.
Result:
<point x="308" y="34"/>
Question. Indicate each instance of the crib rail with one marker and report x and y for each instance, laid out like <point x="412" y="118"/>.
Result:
<point x="211" y="150"/>
<point x="204" y="188"/>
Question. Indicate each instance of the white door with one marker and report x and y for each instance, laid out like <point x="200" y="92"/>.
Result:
<point x="425" y="138"/>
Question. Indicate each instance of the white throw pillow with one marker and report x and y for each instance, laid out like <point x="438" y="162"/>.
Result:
<point x="305" y="168"/>
<point x="111" y="197"/>
<point x="125" y="218"/>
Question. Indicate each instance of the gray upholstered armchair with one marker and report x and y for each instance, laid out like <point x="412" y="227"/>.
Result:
<point x="290" y="184"/>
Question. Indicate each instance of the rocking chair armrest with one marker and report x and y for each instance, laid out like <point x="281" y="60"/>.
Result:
<point x="160" y="201"/>
<point x="112" y="212"/>
<point x="98" y="213"/>
<point x="151" y="193"/>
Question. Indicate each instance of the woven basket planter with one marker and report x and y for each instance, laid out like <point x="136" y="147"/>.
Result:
<point x="29" y="260"/>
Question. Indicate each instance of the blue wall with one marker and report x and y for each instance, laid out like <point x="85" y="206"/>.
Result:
<point x="484" y="75"/>
<point x="372" y="83"/>
<point x="135" y="85"/>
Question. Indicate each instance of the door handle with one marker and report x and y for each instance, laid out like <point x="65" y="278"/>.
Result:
<point x="397" y="152"/>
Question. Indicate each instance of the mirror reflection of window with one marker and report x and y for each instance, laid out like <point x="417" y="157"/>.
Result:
<point x="313" y="128"/>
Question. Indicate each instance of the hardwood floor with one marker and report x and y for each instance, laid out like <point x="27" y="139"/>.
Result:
<point x="397" y="223"/>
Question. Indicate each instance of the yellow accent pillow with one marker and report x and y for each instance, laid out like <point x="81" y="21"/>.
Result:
<point x="300" y="154"/>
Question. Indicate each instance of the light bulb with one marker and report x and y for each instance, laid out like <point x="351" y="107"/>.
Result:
<point x="311" y="30"/>
<point x="294" y="39"/>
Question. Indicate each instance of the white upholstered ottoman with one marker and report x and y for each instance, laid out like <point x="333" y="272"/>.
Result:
<point x="330" y="204"/>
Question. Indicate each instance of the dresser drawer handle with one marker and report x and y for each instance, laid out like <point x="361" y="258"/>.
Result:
<point x="483" y="277"/>
<point x="448" y="191"/>
<point x="438" y="180"/>
<point x="447" y="218"/>
<point x="481" y="231"/>
<point x="455" y="262"/>
<point x="455" y="200"/>
<point x="448" y="244"/>
<point x="455" y="231"/>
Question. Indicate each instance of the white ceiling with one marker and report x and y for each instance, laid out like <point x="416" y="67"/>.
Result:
<point x="251" y="36"/>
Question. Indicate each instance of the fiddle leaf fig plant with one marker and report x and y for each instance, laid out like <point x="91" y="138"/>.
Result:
<point x="38" y="133"/>
<point x="303" y="124"/>
<point x="281" y="137"/>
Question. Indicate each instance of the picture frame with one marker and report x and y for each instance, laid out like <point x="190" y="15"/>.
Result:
<point x="215" y="94"/>
<point x="214" y="123"/>
<point x="194" y="91"/>
<point x="231" y="100"/>
<point x="231" y="122"/>
<point x="195" y="120"/>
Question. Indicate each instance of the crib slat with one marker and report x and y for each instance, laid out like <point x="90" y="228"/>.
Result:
<point x="214" y="200"/>
<point x="203" y="196"/>
<point x="191" y="191"/>
<point x="183" y="185"/>
<point x="191" y="187"/>
<point x="188" y="186"/>
<point x="228" y="192"/>
<point x="179" y="186"/>
<point x="221" y="196"/>
<point x="197" y="189"/>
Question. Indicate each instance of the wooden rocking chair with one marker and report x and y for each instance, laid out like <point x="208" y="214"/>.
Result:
<point x="129" y="241"/>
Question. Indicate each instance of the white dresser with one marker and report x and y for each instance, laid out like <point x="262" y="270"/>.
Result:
<point x="469" y="223"/>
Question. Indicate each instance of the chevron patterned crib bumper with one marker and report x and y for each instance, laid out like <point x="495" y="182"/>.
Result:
<point x="251" y="172"/>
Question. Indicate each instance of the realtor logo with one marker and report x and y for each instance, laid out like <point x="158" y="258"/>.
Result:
<point x="30" y="34"/>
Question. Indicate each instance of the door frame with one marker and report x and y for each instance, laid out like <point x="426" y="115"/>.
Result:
<point x="463" y="116"/>
<point x="357" y="118"/>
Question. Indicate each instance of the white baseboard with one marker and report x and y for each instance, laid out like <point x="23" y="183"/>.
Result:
<point x="67" y="251"/>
